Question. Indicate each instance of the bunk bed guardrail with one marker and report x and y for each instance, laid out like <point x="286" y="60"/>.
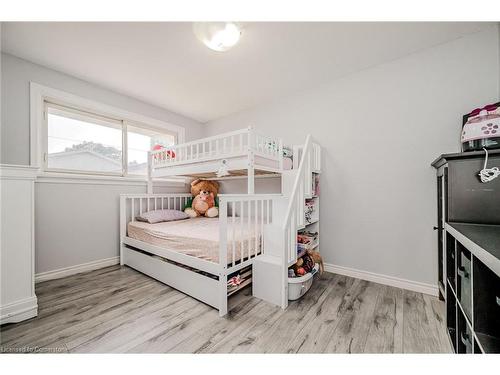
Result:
<point x="233" y="144"/>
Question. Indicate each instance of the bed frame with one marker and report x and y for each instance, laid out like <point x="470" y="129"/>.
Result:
<point x="276" y="216"/>
<point x="179" y="270"/>
<point x="243" y="152"/>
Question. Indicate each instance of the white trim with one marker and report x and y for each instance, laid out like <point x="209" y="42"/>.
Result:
<point x="17" y="172"/>
<point x="39" y="94"/>
<point x="79" y="268"/>
<point x="414" y="286"/>
<point x="72" y="178"/>
<point x="19" y="310"/>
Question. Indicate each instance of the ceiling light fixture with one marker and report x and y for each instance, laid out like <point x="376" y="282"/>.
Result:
<point x="218" y="36"/>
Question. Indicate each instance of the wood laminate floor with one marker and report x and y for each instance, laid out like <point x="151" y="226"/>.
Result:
<point x="117" y="309"/>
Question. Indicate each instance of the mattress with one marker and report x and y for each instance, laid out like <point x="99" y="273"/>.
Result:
<point x="198" y="237"/>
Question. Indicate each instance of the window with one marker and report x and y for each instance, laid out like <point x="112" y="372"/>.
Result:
<point x="83" y="142"/>
<point x="139" y="142"/>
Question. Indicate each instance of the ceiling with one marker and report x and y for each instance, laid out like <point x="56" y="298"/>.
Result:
<point x="164" y="64"/>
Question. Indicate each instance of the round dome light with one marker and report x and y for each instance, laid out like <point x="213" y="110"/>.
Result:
<point x="218" y="36"/>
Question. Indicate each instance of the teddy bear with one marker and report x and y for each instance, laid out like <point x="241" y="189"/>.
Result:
<point x="204" y="199"/>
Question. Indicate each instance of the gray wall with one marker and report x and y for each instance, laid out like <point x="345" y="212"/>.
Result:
<point x="16" y="75"/>
<point x="78" y="223"/>
<point x="75" y="223"/>
<point x="380" y="129"/>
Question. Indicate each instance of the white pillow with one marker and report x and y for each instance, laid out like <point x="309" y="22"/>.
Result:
<point x="158" y="216"/>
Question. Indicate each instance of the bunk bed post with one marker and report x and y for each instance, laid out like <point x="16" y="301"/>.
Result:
<point x="222" y="257"/>
<point x="150" y="169"/>
<point x="250" y="163"/>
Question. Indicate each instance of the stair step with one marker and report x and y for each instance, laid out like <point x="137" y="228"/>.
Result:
<point x="270" y="259"/>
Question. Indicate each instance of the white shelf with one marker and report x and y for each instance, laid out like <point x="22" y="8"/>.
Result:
<point x="314" y="221"/>
<point x="312" y="247"/>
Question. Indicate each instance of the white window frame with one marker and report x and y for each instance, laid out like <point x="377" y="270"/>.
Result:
<point x="40" y="95"/>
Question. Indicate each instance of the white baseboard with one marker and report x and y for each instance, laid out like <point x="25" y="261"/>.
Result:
<point x="414" y="286"/>
<point x="73" y="270"/>
<point x="19" y="310"/>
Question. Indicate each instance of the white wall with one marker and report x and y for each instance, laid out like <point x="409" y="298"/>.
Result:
<point x="380" y="129"/>
<point x="75" y="223"/>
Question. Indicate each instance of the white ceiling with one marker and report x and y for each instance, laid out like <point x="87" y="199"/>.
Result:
<point x="164" y="64"/>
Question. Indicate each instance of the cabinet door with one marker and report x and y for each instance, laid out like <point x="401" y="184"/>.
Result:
<point x="442" y="187"/>
<point x="439" y="228"/>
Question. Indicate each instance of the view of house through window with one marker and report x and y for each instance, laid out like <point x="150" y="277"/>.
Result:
<point x="87" y="143"/>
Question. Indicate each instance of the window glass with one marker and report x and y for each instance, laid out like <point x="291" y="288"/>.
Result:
<point x="80" y="142"/>
<point x="139" y="142"/>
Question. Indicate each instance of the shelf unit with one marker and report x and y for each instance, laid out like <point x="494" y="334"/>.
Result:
<point x="472" y="296"/>
<point x="311" y="223"/>
<point x="468" y="251"/>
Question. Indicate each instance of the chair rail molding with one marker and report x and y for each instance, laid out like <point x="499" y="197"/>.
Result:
<point x="17" y="243"/>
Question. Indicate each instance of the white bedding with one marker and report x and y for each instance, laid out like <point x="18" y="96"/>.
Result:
<point x="198" y="237"/>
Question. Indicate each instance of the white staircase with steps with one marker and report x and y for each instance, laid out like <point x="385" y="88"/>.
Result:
<point x="270" y="271"/>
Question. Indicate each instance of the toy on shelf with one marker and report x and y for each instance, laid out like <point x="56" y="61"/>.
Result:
<point x="310" y="210"/>
<point x="315" y="185"/>
<point x="306" y="264"/>
<point x="306" y="240"/>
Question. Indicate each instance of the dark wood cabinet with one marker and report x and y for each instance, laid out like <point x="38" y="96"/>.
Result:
<point x="468" y="251"/>
<point x="442" y="187"/>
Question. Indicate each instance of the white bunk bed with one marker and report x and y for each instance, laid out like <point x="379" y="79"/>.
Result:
<point x="249" y="226"/>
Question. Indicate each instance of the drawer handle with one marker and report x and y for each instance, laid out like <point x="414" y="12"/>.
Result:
<point x="465" y="338"/>
<point x="462" y="272"/>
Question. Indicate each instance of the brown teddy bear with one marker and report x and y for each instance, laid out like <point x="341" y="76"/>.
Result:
<point x="204" y="199"/>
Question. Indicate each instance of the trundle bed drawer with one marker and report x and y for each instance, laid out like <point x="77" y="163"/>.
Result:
<point x="192" y="283"/>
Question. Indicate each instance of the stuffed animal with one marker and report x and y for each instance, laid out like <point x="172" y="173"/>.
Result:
<point x="204" y="199"/>
<point x="317" y="259"/>
<point x="170" y="154"/>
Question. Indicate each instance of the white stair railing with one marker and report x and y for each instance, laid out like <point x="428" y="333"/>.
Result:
<point x="294" y="217"/>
